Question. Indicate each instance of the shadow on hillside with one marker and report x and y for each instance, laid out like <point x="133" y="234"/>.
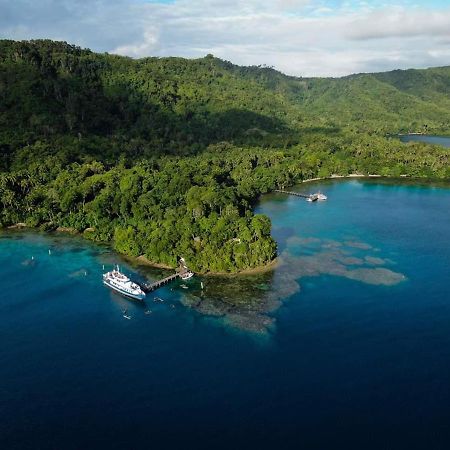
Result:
<point x="107" y="123"/>
<point x="322" y="130"/>
<point x="92" y="114"/>
<point x="182" y="129"/>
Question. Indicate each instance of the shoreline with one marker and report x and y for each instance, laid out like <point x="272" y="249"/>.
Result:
<point x="351" y="175"/>
<point x="143" y="261"/>
<point x="399" y="178"/>
<point x="251" y="271"/>
<point x="140" y="260"/>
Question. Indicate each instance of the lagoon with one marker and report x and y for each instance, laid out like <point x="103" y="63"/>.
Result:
<point x="444" y="141"/>
<point x="346" y="344"/>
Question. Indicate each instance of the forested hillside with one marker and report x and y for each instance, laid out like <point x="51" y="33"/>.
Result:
<point x="166" y="156"/>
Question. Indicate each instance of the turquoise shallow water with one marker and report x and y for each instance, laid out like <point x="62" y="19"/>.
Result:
<point x="359" y="355"/>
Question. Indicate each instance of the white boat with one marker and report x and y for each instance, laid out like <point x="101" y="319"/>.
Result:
<point x="120" y="283"/>
<point x="318" y="196"/>
<point x="186" y="275"/>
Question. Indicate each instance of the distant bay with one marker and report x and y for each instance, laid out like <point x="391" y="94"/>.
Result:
<point x="444" y="141"/>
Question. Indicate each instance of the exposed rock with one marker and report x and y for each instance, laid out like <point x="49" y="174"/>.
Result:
<point x="70" y="230"/>
<point x="17" y="226"/>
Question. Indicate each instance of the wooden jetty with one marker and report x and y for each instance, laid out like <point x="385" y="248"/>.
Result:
<point x="309" y="197"/>
<point x="298" y="194"/>
<point x="150" y="287"/>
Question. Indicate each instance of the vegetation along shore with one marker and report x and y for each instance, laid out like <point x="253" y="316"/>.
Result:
<point x="164" y="157"/>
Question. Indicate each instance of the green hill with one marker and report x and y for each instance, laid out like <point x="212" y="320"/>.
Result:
<point x="165" y="156"/>
<point x="51" y="88"/>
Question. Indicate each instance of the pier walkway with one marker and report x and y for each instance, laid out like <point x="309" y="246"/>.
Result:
<point x="310" y="197"/>
<point x="182" y="271"/>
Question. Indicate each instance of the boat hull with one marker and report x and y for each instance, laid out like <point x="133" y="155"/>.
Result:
<point x="187" y="276"/>
<point x="139" y="297"/>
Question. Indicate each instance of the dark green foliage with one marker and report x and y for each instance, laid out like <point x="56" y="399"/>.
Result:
<point x="165" y="157"/>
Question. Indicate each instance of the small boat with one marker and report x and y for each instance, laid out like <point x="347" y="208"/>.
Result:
<point x="147" y="312"/>
<point x="318" y="196"/>
<point x="126" y="316"/>
<point x="158" y="299"/>
<point x="186" y="275"/>
<point x="120" y="283"/>
<point x="183" y="286"/>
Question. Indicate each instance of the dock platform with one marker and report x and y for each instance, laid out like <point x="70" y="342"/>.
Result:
<point x="309" y="197"/>
<point x="150" y="287"/>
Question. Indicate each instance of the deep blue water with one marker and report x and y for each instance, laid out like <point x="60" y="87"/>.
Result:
<point x="437" y="140"/>
<point x="349" y="364"/>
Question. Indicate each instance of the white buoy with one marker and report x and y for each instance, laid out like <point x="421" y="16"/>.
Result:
<point x="32" y="258"/>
